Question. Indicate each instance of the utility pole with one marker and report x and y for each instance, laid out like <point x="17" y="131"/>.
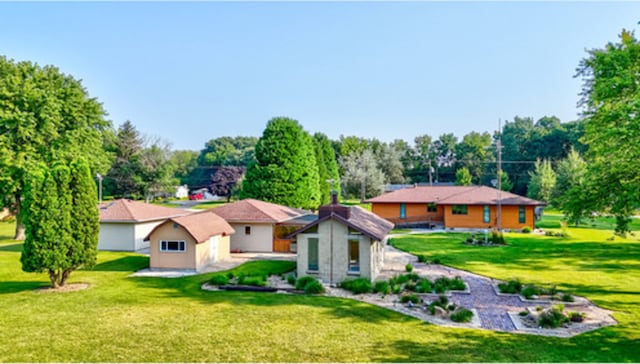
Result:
<point x="499" y="207"/>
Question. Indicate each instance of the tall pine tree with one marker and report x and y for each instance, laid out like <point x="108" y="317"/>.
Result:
<point x="328" y="175"/>
<point x="284" y="170"/>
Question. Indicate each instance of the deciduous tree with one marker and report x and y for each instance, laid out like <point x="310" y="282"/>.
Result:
<point x="45" y="116"/>
<point x="463" y="177"/>
<point x="611" y="97"/>
<point x="542" y="181"/>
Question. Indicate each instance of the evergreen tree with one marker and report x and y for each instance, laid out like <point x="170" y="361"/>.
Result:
<point x="284" y="170"/>
<point x="463" y="177"/>
<point x="542" y="181"/>
<point x="327" y="167"/>
<point x="61" y="221"/>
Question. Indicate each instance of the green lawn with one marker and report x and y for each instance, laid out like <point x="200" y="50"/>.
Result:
<point x="151" y="319"/>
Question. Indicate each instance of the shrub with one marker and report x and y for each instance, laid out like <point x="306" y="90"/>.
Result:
<point x="422" y="258"/>
<point x="396" y="289"/>
<point x="436" y="261"/>
<point x="523" y="313"/>
<point x="424" y="286"/>
<point x="382" y="287"/>
<point x="408" y="267"/>
<point x="497" y="237"/>
<point x="410" y="298"/>
<point x="461" y="315"/>
<point x="526" y="230"/>
<point x="253" y="281"/>
<point x="432" y="309"/>
<point x="552" y="318"/>
<point x="442" y="301"/>
<point x="457" y="284"/>
<point x="567" y="297"/>
<point x="529" y="291"/>
<point x="402" y="279"/>
<point x="303" y="281"/>
<point x="512" y="286"/>
<point x="314" y="287"/>
<point x="357" y="286"/>
<point x="291" y="279"/>
<point x="451" y="307"/>
<point x="576" y="316"/>
<point x="413" y="277"/>
<point x="410" y="286"/>
<point x="219" y="280"/>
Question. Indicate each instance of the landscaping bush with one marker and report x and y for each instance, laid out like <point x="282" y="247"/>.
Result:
<point x="291" y="279"/>
<point x="422" y="258"/>
<point x="314" y="287"/>
<point x="441" y="284"/>
<point x="529" y="291"/>
<point x="552" y="318"/>
<point x="424" y="286"/>
<point x="526" y="230"/>
<point x="436" y="261"/>
<point x="410" y="298"/>
<point x="382" y="287"/>
<point x="219" y="280"/>
<point x="303" y="281"/>
<point x="497" y="237"/>
<point x="567" y="297"/>
<point x="461" y="315"/>
<point x="512" y="286"/>
<point x="410" y="286"/>
<point x="252" y="281"/>
<point x="576" y="316"/>
<point x="523" y="313"/>
<point x="457" y="284"/>
<point x="357" y="286"/>
<point x="408" y="267"/>
<point x="442" y="301"/>
<point x="396" y="289"/>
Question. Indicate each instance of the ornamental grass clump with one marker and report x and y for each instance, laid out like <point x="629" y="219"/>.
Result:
<point x="461" y="315"/>
<point x="382" y="287"/>
<point x="219" y="280"/>
<point x="357" y="286"/>
<point x="552" y="318"/>
<point x="512" y="286"/>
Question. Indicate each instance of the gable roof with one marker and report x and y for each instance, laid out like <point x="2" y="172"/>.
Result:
<point x="250" y="210"/>
<point x="201" y="226"/>
<point x="454" y="195"/>
<point x="124" y="210"/>
<point x="356" y="218"/>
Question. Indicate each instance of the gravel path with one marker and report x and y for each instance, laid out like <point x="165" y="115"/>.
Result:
<point x="492" y="308"/>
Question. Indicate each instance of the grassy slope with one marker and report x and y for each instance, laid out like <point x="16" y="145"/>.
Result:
<point x="146" y="319"/>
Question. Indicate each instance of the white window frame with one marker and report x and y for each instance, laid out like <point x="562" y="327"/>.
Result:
<point x="164" y="244"/>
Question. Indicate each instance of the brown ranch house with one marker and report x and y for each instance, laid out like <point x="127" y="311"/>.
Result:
<point x="455" y="207"/>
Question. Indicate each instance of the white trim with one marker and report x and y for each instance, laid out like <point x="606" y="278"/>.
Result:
<point x="184" y="245"/>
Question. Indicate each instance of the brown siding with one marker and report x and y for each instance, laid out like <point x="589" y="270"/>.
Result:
<point x="474" y="217"/>
<point x="415" y="212"/>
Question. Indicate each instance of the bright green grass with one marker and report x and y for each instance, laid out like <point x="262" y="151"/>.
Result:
<point x="172" y="320"/>
<point x="552" y="221"/>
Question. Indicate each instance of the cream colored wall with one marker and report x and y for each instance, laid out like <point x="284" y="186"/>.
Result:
<point x="202" y="254"/>
<point x="224" y="247"/>
<point x="175" y="260"/>
<point x="141" y="232"/>
<point x="260" y="240"/>
<point x="114" y="236"/>
<point x="337" y="257"/>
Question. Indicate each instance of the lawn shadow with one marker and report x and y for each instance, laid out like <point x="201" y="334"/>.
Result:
<point x="11" y="247"/>
<point x="8" y="287"/>
<point x="124" y="264"/>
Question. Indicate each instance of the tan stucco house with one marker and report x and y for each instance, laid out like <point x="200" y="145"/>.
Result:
<point x="189" y="242"/>
<point x="125" y="223"/>
<point x="262" y="226"/>
<point x="345" y="242"/>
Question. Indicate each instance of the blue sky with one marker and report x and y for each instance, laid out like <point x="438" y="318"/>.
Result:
<point x="190" y="72"/>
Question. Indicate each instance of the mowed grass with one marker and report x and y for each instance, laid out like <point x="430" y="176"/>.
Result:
<point x="120" y="318"/>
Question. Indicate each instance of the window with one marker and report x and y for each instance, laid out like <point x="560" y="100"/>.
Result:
<point x="313" y="254"/>
<point x="522" y="215"/>
<point x="459" y="209"/>
<point x="172" y="246"/>
<point x="354" y="256"/>
<point x="403" y="211"/>
<point x="247" y="230"/>
<point x="432" y="207"/>
<point x="486" y="214"/>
